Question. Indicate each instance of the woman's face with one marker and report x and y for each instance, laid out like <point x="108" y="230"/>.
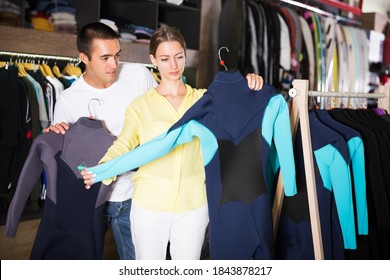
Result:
<point x="170" y="60"/>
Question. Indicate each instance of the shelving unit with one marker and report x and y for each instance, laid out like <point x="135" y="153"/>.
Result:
<point x="149" y="13"/>
<point x="152" y="13"/>
<point x="21" y="40"/>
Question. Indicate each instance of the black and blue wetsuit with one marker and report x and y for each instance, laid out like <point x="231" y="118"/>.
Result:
<point x="241" y="126"/>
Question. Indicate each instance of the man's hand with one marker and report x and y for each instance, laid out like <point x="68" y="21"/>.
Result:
<point x="57" y="128"/>
<point x="255" y="82"/>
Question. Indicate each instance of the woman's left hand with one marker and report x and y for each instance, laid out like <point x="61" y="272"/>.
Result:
<point x="255" y="82"/>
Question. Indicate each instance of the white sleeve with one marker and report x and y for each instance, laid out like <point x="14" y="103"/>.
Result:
<point x="61" y="113"/>
<point x="150" y="81"/>
<point x="145" y="80"/>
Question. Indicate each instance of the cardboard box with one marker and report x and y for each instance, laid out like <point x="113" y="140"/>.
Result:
<point x="375" y="48"/>
<point x="374" y="21"/>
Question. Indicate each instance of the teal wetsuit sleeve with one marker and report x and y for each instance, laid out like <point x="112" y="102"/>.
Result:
<point x="156" y="148"/>
<point x="336" y="177"/>
<point x="356" y="151"/>
<point x="276" y="127"/>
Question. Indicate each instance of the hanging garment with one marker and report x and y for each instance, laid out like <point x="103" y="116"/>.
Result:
<point x="358" y="171"/>
<point x="15" y="130"/>
<point x="246" y="124"/>
<point x="356" y="163"/>
<point x="72" y="223"/>
<point x="33" y="108"/>
<point x="377" y="196"/>
<point x="44" y="121"/>
<point x="333" y="186"/>
<point x="261" y="33"/>
<point x="297" y="38"/>
<point x="231" y="32"/>
<point x="252" y="45"/>
<point x="287" y="76"/>
<point x="273" y="39"/>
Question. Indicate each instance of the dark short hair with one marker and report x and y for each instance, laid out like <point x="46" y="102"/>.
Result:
<point x="92" y="31"/>
<point x="163" y="34"/>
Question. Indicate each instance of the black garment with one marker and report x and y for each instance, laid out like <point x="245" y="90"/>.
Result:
<point x="231" y="32"/>
<point x="14" y="113"/>
<point x="377" y="196"/>
<point x="38" y="76"/>
<point x="259" y="17"/>
<point x="9" y="121"/>
<point x="273" y="32"/>
<point x="33" y="107"/>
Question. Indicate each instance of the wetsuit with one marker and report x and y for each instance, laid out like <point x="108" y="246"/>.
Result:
<point x="72" y="223"/>
<point x="246" y="124"/>
<point x="335" y="199"/>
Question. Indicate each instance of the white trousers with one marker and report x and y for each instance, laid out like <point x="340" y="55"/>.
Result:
<point x="152" y="230"/>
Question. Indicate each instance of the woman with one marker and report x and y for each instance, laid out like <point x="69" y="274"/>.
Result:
<point x="169" y="201"/>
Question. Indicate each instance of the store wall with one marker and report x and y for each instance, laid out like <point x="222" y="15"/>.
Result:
<point x="376" y="6"/>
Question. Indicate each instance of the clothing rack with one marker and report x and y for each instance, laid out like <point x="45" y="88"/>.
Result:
<point x="40" y="56"/>
<point x="324" y="13"/>
<point x="68" y="59"/>
<point x="299" y="113"/>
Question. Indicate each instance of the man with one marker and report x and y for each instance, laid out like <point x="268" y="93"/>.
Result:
<point x="103" y="92"/>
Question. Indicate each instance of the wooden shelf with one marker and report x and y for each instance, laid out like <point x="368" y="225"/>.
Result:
<point x="16" y="39"/>
<point x="31" y="41"/>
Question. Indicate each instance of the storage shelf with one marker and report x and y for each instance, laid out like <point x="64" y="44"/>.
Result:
<point x="22" y="40"/>
<point x="152" y="14"/>
<point x="31" y="41"/>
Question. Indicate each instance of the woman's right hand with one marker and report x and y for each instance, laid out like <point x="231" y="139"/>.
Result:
<point x="88" y="177"/>
<point x="57" y="128"/>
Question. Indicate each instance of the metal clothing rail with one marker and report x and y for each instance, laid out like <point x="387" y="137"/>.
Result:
<point x="322" y="12"/>
<point x="299" y="111"/>
<point x="39" y="56"/>
<point x="340" y="94"/>
<point x="75" y="60"/>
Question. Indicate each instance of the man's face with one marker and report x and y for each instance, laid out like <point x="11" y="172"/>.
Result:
<point x="101" y="69"/>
